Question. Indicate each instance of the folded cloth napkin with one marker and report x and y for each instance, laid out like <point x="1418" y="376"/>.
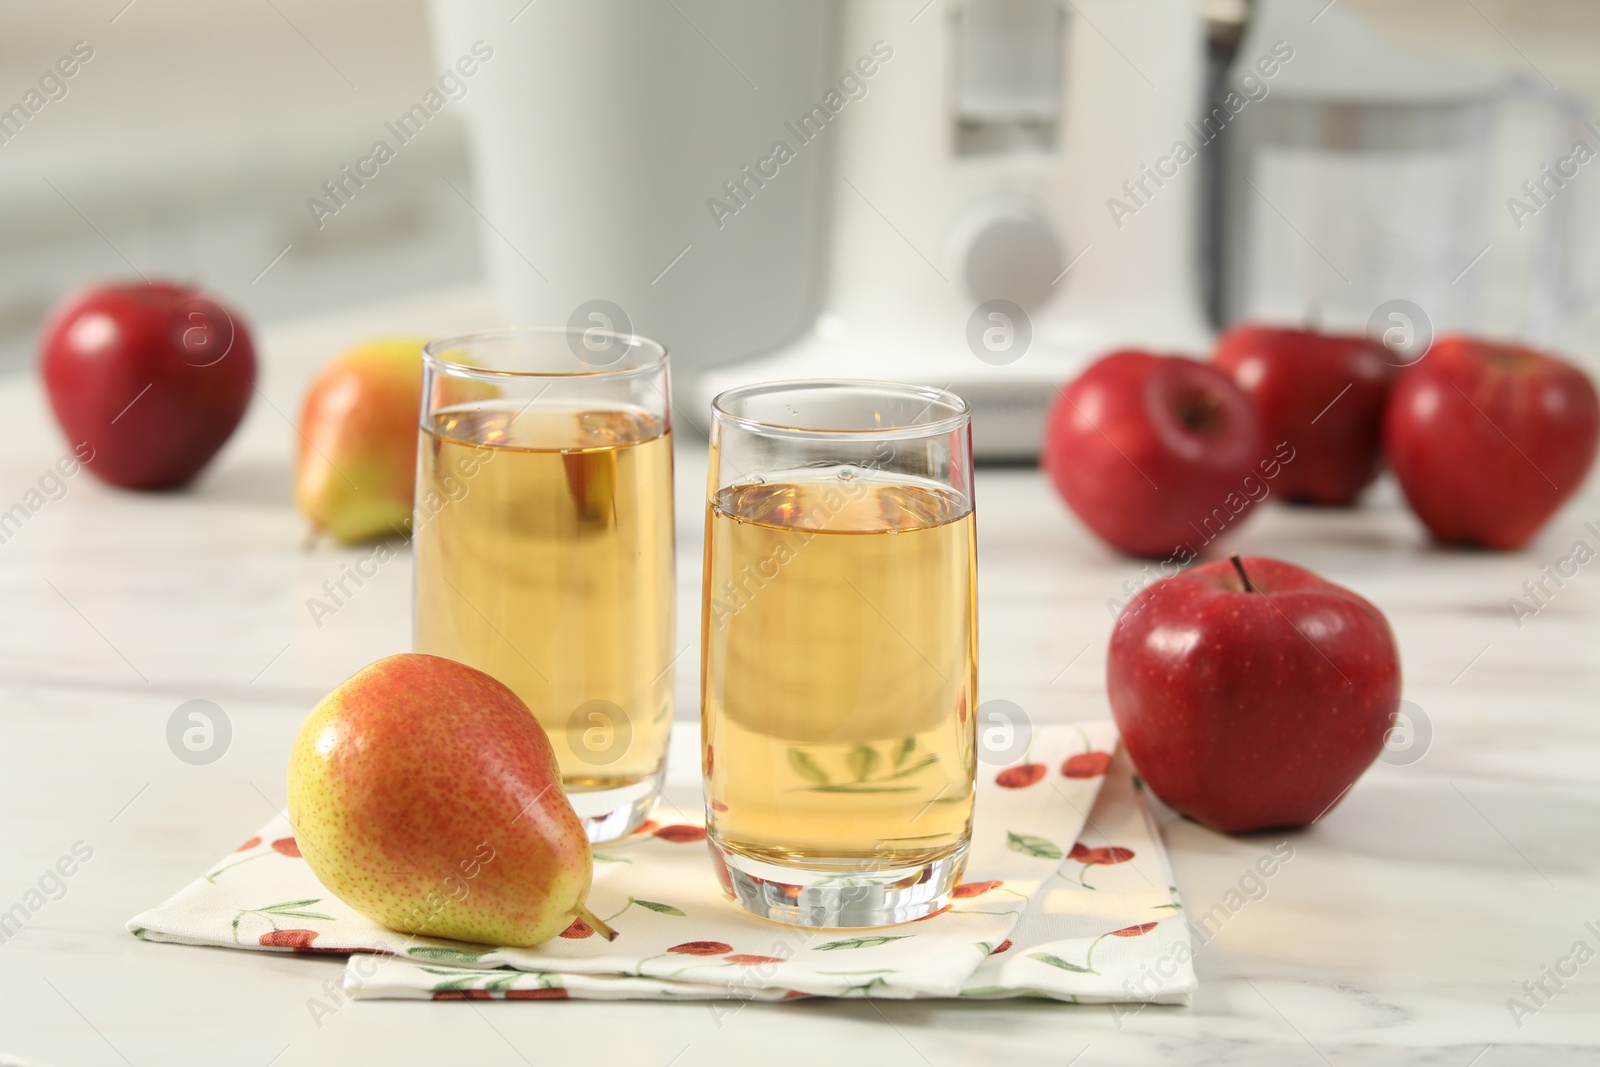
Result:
<point x="1059" y="901"/>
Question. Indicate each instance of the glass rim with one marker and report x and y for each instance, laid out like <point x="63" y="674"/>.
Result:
<point x="433" y="359"/>
<point x="960" y="411"/>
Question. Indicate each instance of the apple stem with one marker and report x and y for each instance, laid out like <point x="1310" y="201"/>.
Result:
<point x="595" y="922"/>
<point x="1238" y="565"/>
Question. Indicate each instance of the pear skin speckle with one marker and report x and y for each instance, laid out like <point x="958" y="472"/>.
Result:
<point x="426" y="796"/>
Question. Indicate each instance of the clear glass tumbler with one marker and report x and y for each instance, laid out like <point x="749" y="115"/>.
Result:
<point x="839" y="649"/>
<point x="544" y="545"/>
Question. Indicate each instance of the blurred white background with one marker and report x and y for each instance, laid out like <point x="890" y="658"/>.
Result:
<point x="190" y="142"/>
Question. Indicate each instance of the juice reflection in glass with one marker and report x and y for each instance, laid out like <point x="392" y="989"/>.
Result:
<point x="839" y="649"/>
<point x="544" y="546"/>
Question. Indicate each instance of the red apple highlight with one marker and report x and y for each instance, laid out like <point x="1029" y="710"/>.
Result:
<point x="1152" y="452"/>
<point x="1324" y="395"/>
<point x="1488" y="440"/>
<point x="155" y="377"/>
<point x="1251" y="694"/>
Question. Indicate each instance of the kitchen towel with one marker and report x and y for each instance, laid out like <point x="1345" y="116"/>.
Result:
<point x="1067" y="895"/>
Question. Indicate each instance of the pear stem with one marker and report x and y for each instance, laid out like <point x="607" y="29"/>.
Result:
<point x="1243" y="577"/>
<point x="595" y="923"/>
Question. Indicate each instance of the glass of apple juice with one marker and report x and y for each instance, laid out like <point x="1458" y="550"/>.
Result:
<point x="839" y="649"/>
<point x="544" y="545"/>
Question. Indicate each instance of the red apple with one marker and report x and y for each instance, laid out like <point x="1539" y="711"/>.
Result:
<point x="1252" y="693"/>
<point x="1153" y="452"/>
<point x="1488" y="440"/>
<point x="1324" y="395"/>
<point x="155" y="377"/>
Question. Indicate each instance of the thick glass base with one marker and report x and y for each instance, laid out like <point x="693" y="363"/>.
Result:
<point x="618" y="811"/>
<point x="842" y="893"/>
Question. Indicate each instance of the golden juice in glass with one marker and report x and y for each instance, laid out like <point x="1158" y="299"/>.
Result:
<point x="544" y="556"/>
<point x="840" y="667"/>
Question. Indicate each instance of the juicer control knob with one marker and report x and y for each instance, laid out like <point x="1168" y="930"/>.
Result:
<point x="1005" y="249"/>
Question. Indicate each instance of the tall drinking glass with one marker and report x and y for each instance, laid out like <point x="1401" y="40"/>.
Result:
<point x="839" y="649"/>
<point x="544" y="553"/>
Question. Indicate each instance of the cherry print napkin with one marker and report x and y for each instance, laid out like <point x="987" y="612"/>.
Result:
<point x="1066" y="896"/>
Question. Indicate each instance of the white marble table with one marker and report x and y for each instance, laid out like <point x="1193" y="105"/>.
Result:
<point x="1396" y="934"/>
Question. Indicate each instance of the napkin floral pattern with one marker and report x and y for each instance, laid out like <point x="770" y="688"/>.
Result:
<point x="1064" y="897"/>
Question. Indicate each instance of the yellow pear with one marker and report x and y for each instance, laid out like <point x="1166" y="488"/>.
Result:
<point x="426" y="796"/>
<point x="355" y="473"/>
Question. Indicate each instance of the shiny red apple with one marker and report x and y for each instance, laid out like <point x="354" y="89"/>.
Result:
<point x="1488" y="440"/>
<point x="1153" y="453"/>
<point x="1251" y="693"/>
<point x="1323" y="394"/>
<point x="154" y="376"/>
